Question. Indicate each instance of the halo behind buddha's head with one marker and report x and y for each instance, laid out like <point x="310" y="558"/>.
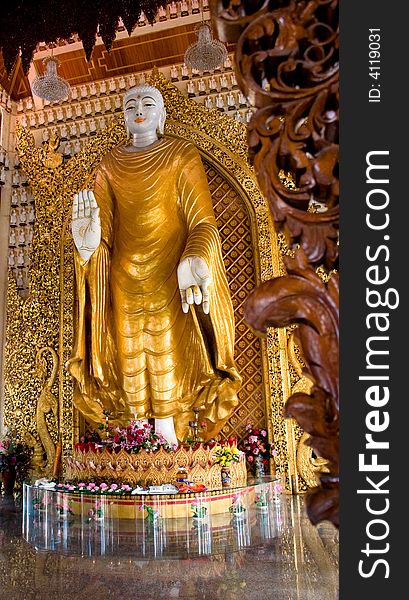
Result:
<point x="144" y="88"/>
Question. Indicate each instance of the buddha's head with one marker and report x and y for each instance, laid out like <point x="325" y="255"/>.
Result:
<point x="144" y="110"/>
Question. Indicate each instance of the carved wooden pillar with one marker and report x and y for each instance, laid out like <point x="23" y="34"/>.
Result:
<point x="287" y="66"/>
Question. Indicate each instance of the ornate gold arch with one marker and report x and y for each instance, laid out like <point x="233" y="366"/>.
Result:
<point x="45" y="318"/>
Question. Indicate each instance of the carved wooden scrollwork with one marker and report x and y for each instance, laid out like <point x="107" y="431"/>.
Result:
<point x="286" y="50"/>
<point x="303" y="143"/>
<point x="287" y="66"/>
<point x="302" y="297"/>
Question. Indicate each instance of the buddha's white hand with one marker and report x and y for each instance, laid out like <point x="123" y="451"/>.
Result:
<point x="194" y="281"/>
<point x="86" y="224"/>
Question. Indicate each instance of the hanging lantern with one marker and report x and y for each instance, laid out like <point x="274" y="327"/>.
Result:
<point x="50" y="86"/>
<point x="206" y="54"/>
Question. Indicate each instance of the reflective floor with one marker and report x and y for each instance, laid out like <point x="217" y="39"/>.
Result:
<point x="288" y="559"/>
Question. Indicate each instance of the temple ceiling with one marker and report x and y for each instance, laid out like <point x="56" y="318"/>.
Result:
<point x="161" y="44"/>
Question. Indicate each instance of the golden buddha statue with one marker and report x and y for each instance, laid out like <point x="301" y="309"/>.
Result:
<point x="155" y="323"/>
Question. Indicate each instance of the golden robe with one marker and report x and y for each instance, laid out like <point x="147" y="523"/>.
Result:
<point x="136" y="352"/>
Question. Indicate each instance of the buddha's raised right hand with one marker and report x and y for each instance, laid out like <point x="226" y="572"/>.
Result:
<point x="86" y="224"/>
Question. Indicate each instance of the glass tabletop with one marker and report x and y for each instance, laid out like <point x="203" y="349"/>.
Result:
<point x="155" y="526"/>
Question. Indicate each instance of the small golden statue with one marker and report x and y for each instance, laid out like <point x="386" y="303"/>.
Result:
<point x="52" y="159"/>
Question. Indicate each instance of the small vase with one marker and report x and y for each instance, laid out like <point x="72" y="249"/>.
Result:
<point x="226" y="478"/>
<point x="259" y="469"/>
<point x="9" y="480"/>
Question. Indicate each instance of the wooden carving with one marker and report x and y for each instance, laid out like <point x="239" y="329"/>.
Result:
<point x="287" y="66"/>
<point x="301" y="144"/>
<point x="301" y="297"/>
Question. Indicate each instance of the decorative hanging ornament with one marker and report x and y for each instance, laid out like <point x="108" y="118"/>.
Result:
<point x="206" y="54"/>
<point x="50" y="86"/>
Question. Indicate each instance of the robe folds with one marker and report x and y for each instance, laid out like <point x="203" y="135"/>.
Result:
<point x="135" y="351"/>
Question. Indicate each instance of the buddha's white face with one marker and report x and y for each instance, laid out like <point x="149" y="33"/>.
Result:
<point x="142" y="114"/>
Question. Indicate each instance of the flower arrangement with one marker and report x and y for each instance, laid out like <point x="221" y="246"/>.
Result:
<point x="12" y="453"/>
<point x="256" y="446"/>
<point x="260" y="502"/>
<point x="227" y="454"/>
<point x="39" y="503"/>
<point x="136" y="436"/>
<point x="236" y="507"/>
<point x="63" y="508"/>
<point x="198" y="511"/>
<point x="97" y="512"/>
<point x="95" y="488"/>
<point x="152" y="514"/>
<point x="260" y="499"/>
<point x="278" y="488"/>
<point x="112" y="489"/>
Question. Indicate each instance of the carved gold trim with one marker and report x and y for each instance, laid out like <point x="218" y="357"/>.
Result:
<point x="308" y="466"/>
<point x="145" y="468"/>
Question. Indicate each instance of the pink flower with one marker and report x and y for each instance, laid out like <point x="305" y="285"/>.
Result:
<point x="263" y="433"/>
<point x="255" y="451"/>
<point x="103" y="486"/>
<point x="274" y="453"/>
<point x="250" y="458"/>
<point x="113" y="486"/>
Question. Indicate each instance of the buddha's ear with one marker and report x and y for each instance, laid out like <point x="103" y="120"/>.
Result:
<point x="162" y="119"/>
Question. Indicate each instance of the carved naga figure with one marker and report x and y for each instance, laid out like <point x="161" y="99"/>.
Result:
<point x="47" y="403"/>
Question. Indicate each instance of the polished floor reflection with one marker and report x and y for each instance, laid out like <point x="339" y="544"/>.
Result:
<point x="288" y="559"/>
